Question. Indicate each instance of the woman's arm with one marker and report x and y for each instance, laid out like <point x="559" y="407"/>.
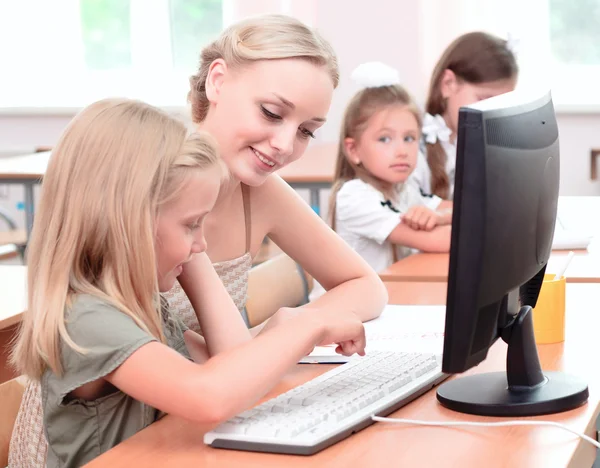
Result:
<point x="351" y="284"/>
<point x="196" y="346"/>
<point x="219" y="318"/>
<point x="235" y="379"/>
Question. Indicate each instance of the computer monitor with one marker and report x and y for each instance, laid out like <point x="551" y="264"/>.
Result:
<point x="505" y="203"/>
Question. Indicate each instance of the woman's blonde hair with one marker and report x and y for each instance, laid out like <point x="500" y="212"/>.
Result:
<point x="116" y="163"/>
<point x="361" y="108"/>
<point x="265" y="37"/>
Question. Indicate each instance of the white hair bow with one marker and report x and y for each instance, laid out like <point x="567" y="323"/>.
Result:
<point x="513" y="43"/>
<point x="435" y="128"/>
<point x="375" y="75"/>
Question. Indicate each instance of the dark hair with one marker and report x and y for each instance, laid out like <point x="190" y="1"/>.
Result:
<point x="359" y="111"/>
<point x="475" y="58"/>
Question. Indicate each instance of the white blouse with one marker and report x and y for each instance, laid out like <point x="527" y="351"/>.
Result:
<point x="365" y="219"/>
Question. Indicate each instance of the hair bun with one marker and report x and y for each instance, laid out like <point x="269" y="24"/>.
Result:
<point x="375" y="75"/>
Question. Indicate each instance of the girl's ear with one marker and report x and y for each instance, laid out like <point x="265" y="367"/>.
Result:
<point x="448" y="83"/>
<point x="214" y="80"/>
<point x="351" y="153"/>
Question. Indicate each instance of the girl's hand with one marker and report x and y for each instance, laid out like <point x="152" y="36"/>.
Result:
<point x="421" y="218"/>
<point x="344" y="329"/>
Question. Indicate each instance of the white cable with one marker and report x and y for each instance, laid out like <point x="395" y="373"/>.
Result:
<point x="486" y="424"/>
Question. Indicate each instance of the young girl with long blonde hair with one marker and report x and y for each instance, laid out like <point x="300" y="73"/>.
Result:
<point x="122" y="210"/>
<point x="262" y="90"/>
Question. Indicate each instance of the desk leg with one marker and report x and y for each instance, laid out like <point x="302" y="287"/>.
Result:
<point x="315" y="201"/>
<point x="29" y="208"/>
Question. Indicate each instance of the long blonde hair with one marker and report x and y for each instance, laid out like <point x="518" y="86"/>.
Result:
<point x="475" y="58"/>
<point x="264" y="37"/>
<point x="364" y="105"/>
<point x="116" y="163"/>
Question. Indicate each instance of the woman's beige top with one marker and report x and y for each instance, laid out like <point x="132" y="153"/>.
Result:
<point x="233" y="274"/>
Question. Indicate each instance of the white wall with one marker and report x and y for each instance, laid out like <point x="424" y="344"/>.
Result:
<point x="410" y="35"/>
<point x="407" y="34"/>
<point x="366" y="31"/>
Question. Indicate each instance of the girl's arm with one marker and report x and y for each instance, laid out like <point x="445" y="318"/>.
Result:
<point x="435" y="240"/>
<point x="444" y="216"/>
<point x="445" y="205"/>
<point x="421" y="217"/>
<point x="351" y="284"/>
<point x="445" y="211"/>
<point x="235" y="379"/>
<point x="219" y="318"/>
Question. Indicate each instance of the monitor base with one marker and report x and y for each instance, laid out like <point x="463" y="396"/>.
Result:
<point x="489" y="395"/>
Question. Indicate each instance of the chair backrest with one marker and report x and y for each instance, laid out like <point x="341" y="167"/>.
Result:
<point x="11" y="393"/>
<point x="275" y="283"/>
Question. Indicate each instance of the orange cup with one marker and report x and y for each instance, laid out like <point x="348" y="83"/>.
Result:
<point x="549" y="312"/>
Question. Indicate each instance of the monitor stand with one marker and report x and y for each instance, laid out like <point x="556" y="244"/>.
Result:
<point x="523" y="390"/>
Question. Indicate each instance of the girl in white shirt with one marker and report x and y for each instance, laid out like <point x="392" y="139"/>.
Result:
<point x="474" y="67"/>
<point x="372" y="208"/>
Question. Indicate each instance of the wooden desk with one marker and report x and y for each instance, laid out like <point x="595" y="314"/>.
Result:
<point x="575" y="213"/>
<point x="17" y="237"/>
<point x="26" y="170"/>
<point x="425" y="267"/>
<point x="313" y="171"/>
<point x="177" y="442"/>
<point x="13" y="302"/>
<point x="417" y="293"/>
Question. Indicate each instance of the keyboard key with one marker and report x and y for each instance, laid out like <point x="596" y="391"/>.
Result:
<point x="300" y="420"/>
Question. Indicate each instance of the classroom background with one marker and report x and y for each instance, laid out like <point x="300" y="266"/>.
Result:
<point x="58" y="56"/>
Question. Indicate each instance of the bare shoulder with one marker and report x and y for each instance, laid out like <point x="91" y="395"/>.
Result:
<point x="271" y="204"/>
<point x="273" y="189"/>
<point x="275" y="197"/>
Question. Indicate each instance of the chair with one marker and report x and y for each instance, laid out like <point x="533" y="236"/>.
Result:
<point x="11" y="393"/>
<point x="268" y="249"/>
<point x="13" y="241"/>
<point x="275" y="283"/>
<point x="594" y="153"/>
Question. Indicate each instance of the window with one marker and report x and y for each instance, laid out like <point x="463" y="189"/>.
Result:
<point x="562" y="50"/>
<point x="72" y="52"/>
<point x="574" y="54"/>
<point x="106" y="34"/>
<point x="557" y="42"/>
<point x="575" y="32"/>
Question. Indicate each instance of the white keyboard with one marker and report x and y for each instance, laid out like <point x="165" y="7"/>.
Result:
<point x="331" y="407"/>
